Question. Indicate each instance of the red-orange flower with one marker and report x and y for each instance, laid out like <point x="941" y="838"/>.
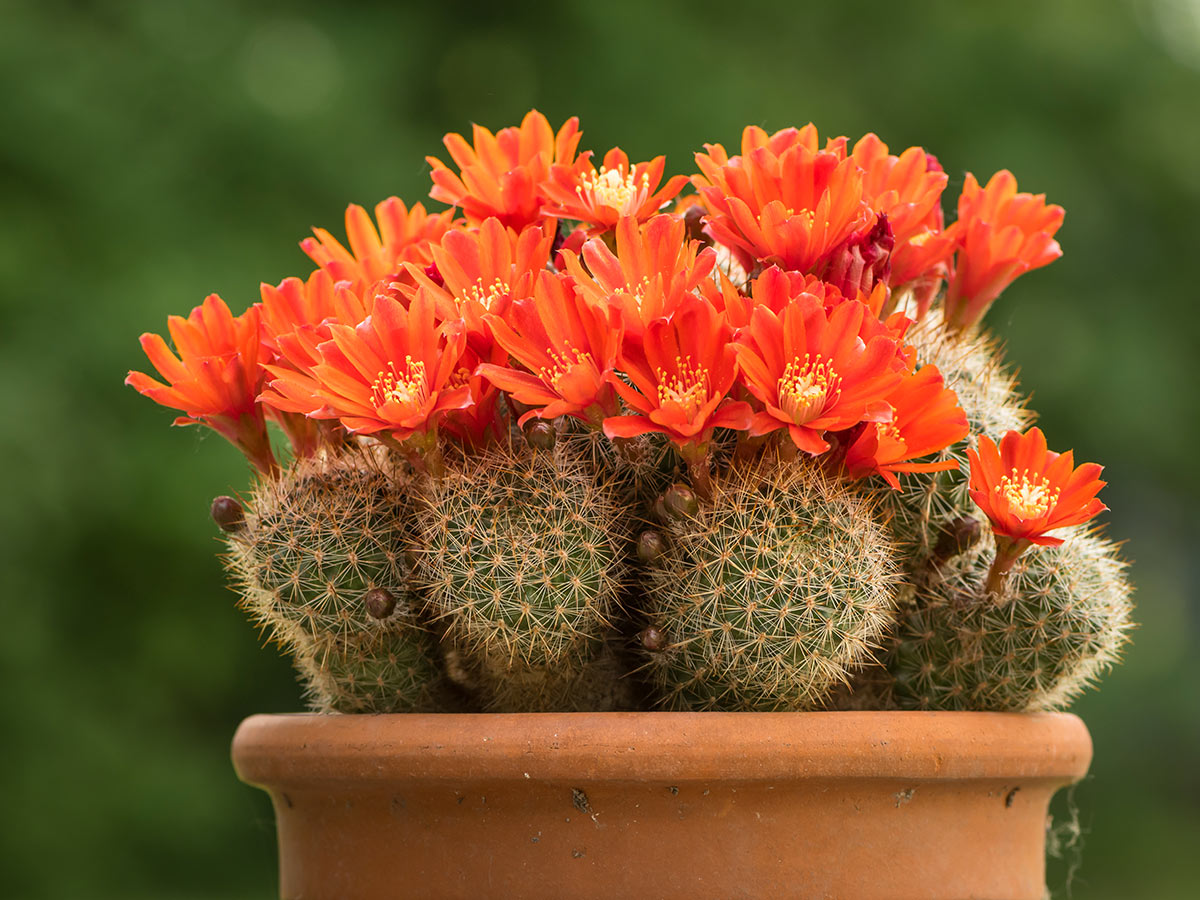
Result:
<point x="480" y="271"/>
<point x="926" y="418"/>
<point x="782" y="201"/>
<point x="502" y="174"/>
<point x="681" y="378"/>
<point x="403" y="236"/>
<point x="392" y="373"/>
<point x="601" y="198"/>
<point x="216" y="377"/>
<point x="813" y="371"/>
<point x="908" y="190"/>
<point x="654" y="269"/>
<point x="1001" y="234"/>
<point x="1026" y="490"/>
<point x="568" y="346"/>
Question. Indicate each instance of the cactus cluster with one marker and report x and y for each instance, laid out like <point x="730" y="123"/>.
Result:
<point x="579" y="442"/>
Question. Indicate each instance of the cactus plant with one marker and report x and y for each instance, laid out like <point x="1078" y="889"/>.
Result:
<point x="757" y="430"/>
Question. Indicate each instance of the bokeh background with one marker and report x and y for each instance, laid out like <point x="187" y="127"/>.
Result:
<point x="154" y="151"/>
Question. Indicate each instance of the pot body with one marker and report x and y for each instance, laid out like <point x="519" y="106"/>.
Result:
<point x="662" y="804"/>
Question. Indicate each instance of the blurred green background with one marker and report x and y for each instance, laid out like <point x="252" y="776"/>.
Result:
<point x="152" y="152"/>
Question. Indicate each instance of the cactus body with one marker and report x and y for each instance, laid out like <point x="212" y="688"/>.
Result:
<point x="1060" y="622"/>
<point x="319" y="546"/>
<point x="771" y="594"/>
<point x="521" y="561"/>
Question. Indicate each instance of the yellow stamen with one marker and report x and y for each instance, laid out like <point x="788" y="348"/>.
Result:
<point x="409" y="389"/>
<point x="805" y="388"/>
<point x="487" y="296"/>
<point x="689" y="388"/>
<point x="611" y="187"/>
<point x="1029" y="496"/>
<point x="569" y="358"/>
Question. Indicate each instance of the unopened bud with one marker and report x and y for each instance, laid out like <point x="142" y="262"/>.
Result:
<point x="380" y="603"/>
<point x="650" y="547"/>
<point x="411" y="558"/>
<point x="681" y="502"/>
<point x="958" y="537"/>
<point x="228" y="514"/>
<point x="652" y="639"/>
<point x="432" y="273"/>
<point x="693" y="223"/>
<point x="540" y="434"/>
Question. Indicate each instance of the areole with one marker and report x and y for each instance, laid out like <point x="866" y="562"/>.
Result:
<point x="662" y="804"/>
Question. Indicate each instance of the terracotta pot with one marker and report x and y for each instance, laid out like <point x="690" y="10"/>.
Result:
<point x="658" y="805"/>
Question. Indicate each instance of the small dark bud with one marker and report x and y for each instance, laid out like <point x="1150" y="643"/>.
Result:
<point x="958" y="537"/>
<point x="411" y="558"/>
<point x="693" y="223"/>
<point x="380" y="603"/>
<point x="540" y="434"/>
<point x="659" y="510"/>
<point x="652" y="639"/>
<point x="650" y="547"/>
<point x="681" y="502"/>
<point x="228" y="514"/>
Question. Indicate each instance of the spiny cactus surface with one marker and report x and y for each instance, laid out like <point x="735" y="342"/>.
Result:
<point x="768" y="596"/>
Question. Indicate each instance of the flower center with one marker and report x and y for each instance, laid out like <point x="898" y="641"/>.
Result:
<point x="409" y="389"/>
<point x="1029" y="496"/>
<point x="888" y="435"/>
<point x="689" y="387"/>
<point x="805" y="387"/>
<point x="612" y="187"/>
<point x="487" y="296"/>
<point x="564" y="362"/>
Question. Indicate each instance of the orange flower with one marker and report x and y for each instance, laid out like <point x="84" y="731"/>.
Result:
<point x="600" y="199"/>
<point x="908" y="190"/>
<point x="1027" y="490"/>
<point x="681" y="378"/>
<point x="392" y="373"/>
<point x="926" y="418"/>
<point x="654" y="269"/>
<point x="775" y="289"/>
<point x="216" y="377"/>
<point x="1000" y="234"/>
<point x="502" y="174"/>
<point x="480" y="271"/>
<point x="403" y="236"/>
<point x="571" y="346"/>
<point x="815" y="370"/>
<point x="782" y="201"/>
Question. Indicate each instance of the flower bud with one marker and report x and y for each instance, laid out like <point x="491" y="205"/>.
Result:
<point x="681" y="502"/>
<point x="863" y="260"/>
<point x="652" y="639"/>
<point x="540" y="434"/>
<point x="228" y="514"/>
<point x="380" y="603"/>
<point x="958" y="537"/>
<point x="650" y="547"/>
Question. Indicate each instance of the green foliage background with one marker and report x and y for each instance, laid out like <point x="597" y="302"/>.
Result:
<point x="154" y="151"/>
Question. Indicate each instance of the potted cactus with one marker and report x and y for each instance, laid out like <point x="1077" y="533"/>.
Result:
<point x="652" y="521"/>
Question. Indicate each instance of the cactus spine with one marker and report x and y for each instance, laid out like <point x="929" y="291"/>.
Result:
<point x="769" y="596"/>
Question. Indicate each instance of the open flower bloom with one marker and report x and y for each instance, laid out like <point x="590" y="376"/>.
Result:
<point x="601" y="198"/>
<point x="1001" y="234"/>
<point x="782" y="201"/>
<point x="775" y="289"/>
<point x="907" y="189"/>
<point x="403" y="236"/>
<point x="390" y="374"/>
<point x="502" y="174"/>
<point x="480" y="271"/>
<point x="1026" y="490"/>
<point x="216" y="377"/>
<point x="654" y="269"/>
<point x="681" y="378"/>
<point x="813" y="371"/>
<point x="926" y="418"/>
<point x="568" y="347"/>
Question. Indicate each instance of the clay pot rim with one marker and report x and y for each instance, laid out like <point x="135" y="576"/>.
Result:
<point x="673" y="747"/>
